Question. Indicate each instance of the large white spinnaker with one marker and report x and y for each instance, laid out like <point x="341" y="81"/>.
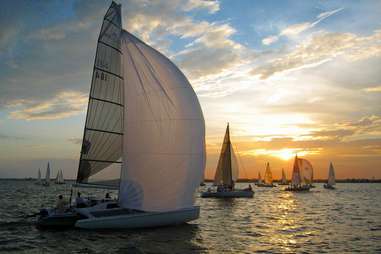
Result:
<point x="331" y="175"/>
<point x="164" y="132"/>
<point x="306" y="171"/>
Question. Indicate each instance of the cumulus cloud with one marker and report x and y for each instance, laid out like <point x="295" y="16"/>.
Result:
<point x="63" y="105"/>
<point x="323" y="47"/>
<point x="296" y="29"/>
<point x="211" y="5"/>
<point x="374" y="89"/>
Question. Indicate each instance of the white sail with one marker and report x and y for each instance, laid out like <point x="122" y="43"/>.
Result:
<point x="227" y="167"/>
<point x="284" y="179"/>
<point x="164" y="132"/>
<point x="306" y="171"/>
<point x="259" y="178"/>
<point x="331" y="175"/>
<point x="296" y="177"/>
<point x="39" y="175"/>
<point x="102" y="140"/>
<point x="268" y="179"/>
<point x="47" y="175"/>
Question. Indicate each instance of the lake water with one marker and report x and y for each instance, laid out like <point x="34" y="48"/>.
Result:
<point x="344" y="220"/>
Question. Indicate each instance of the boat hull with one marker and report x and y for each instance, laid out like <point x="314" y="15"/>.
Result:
<point x="64" y="220"/>
<point x="330" y="187"/>
<point x="140" y="220"/>
<point x="228" y="194"/>
<point x="298" y="189"/>
<point x="266" y="185"/>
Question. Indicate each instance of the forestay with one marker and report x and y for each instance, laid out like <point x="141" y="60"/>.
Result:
<point x="164" y="132"/>
<point x="102" y="141"/>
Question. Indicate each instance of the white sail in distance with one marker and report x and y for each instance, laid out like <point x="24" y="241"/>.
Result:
<point x="331" y="175"/>
<point x="39" y="175"/>
<point x="227" y="167"/>
<point x="47" y="175"/>
<point x="259" y="178"/>
<point x="296" y="177"/>
<point x="284" y="179"/>
<point x="164" y="132"/>
<point x="268" y="179"/>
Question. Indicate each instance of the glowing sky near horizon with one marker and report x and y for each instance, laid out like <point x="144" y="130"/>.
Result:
<point x="289" y="76"/>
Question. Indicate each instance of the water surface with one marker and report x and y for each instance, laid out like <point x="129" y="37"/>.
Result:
<point x="344" y="220"/>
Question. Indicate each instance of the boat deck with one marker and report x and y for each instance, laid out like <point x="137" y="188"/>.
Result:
<point x="115" y="212"/>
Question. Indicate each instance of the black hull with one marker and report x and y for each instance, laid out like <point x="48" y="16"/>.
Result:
<point x="58" y="221"/>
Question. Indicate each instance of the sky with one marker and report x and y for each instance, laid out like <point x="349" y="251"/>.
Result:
<point x="289" y="76"/>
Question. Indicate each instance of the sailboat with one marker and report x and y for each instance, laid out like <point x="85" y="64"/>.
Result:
<point x="227" y="174"/>
<point x="331" y="178"/>
<point x="38" y="181"/>
<point x="59" y="178"/>
<point x="298" y="180"/>
<point x="46" y="181"/>
<point x="144" y="135"/>
<point x="268" y="179"/>
<point x="259" y="180"/>
<point x="283" y="181"/>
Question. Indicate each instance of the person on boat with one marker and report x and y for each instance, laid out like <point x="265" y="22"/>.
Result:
<point x="107" y="197"/>
<point x="79" y="201"/>
<point x="60" y="205"/>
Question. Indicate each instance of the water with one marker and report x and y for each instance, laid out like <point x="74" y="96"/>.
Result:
<point x="345" y="220"/>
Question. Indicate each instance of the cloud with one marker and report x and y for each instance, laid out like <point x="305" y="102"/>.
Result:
<point x="75" y="141"/>
<point x="296" y="29"/>
<point x="270" y="40"/>
<point x="374" y="89"/>
<point x="65" y="104"/>
<point x="211" y="5"/>
<point x="323" y="47"/>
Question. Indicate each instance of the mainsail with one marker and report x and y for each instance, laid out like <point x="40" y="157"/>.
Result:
<point x="284" y="179"/>
<point x="296" y="178"/>
<point x="103" y="134"/>
<point x="268" y="179"/>
<point x="39" y="175"/>
<point x="331" y="175"/>
<point x="227" y="169"/>
<point x="164" y="132"/>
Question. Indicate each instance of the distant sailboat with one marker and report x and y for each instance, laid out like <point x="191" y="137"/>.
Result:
<point x="331" y="178"/>
<point x="283" y="181"/>
<point x="38" y="181"/>
<point x="259" y="180"/>
<point x="268" y="179"/>
<point x="227" y="174"/>
<point x="59" y="178"/>
<point x="46" y="181"/>
<point x="298" y="180"/>
<point x="144" y="135"/>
